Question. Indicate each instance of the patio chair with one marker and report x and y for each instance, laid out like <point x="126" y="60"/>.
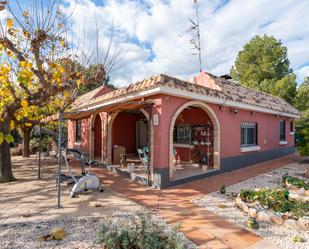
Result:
<point x="145" y="150"/>
<point x="143" y="157"/>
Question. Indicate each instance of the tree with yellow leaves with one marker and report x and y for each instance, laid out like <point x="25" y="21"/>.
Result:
<point x="36" y="73"/>
<point x="39" y="73"/>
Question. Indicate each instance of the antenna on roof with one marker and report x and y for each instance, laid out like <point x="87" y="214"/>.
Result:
<point x="196" y="40"/>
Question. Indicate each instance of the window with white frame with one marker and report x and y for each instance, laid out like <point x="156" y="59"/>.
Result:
<point x="248" y="134"/>
<point x="282" y="130"/>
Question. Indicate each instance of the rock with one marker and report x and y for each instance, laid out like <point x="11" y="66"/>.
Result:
<point x="264" y="216"/>
<point x="252" y="212"/>
<point x="299" y="196"/>
<point x="291" y="223"/>
<point x="276" y="219"/>
<point x="307" y="172"/>
<point x="58" y="234"/>
<point x="97" y="205"/>
<point x="245" y="208"/>
<point x="242" y="205"/>
<point x="239" y="202"/>
<point x="303" y="223"/>
<point x="221" y="205"/>
<point x="286" y="215"/>
<point x="44" y="237"/>
<point x="301" y="191"/>
<point x="307" y="192"/>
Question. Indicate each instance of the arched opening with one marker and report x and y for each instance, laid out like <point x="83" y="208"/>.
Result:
<point x="194" y="141"/>
<point x="97" y="152"/>
<point x="129" y="140"/>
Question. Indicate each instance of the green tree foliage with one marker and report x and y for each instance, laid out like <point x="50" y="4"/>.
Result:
<point x="96" y="76"/>
<point x="302" y="134"/>
<point x="301" y="101"/>
<point x="263" y="65"/>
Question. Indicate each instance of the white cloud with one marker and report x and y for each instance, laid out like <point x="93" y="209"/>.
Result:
<point x="3" y="16"/>
<point x="149" y="32"/>
<point x="302" y="73"/>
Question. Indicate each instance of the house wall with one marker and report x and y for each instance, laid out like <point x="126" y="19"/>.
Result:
<point x="268" y="127"/>
<point x="230" y="149"/>
<point x="84" y="145"/>
<point x="87" y="141"/>
<point x="165" y="107"/>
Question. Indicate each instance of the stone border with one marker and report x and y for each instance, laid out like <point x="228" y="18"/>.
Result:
<point x="270" y="217"/>
<point x="299" y="194"/>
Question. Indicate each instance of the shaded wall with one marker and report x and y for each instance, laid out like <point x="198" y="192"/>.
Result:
<point x="124" y="131"/>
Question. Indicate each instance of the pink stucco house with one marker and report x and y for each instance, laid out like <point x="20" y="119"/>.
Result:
<point x="190" y="129"/>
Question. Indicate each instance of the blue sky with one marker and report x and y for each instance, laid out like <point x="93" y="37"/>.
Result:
<point x="148" y="33"/>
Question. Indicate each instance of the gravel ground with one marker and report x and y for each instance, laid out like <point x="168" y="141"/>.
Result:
<point x="81" y="233"/>
<point x="280" y="235"/>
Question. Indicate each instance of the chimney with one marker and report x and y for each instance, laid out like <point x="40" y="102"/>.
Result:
<point x="205" y="80"/>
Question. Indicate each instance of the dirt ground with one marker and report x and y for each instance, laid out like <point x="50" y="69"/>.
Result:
<point x="33" y="199"/>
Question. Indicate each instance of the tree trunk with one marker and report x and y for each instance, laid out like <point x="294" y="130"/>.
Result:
<point x="6" y="174"/>
<point x="26" y="141"/>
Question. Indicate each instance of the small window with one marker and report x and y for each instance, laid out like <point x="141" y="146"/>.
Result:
<point x="291" y="126"/>
<point x="183" y="134"/>
<point x="248" y="134"/>
<point x="282" y="130"/>
<point x="78" y="131"/>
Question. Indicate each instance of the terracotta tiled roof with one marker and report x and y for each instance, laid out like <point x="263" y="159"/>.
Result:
<point x="226" y="90"/>
<point x="85" y="98"/>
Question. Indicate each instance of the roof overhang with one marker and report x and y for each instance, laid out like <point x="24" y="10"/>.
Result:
<point x="104" y="104"/>
<point x="82" y="114"/>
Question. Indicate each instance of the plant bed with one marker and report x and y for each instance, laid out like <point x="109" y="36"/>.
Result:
<point x="274" y="206"/>
<point x="139" y="232"/>
<point x="282" y="236"/>
<point x="295" y="182"/>
<point x="298" y="187"/>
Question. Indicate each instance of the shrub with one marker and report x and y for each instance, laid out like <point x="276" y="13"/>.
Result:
<point x="247" y="195"/>
<point x="36" y="142"/>
<point x="297" y="239"/>
<point x="299" y="183"/>
<point x="252" y="223"/>
<point x="276" y="200"/>
<point x="222" y="190"/>
<point x="138" y="232"/>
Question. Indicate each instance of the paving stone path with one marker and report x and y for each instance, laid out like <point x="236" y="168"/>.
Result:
<point x="203" y="227"/>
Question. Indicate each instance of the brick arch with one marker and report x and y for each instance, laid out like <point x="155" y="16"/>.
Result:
<point x="216" y="126"/>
